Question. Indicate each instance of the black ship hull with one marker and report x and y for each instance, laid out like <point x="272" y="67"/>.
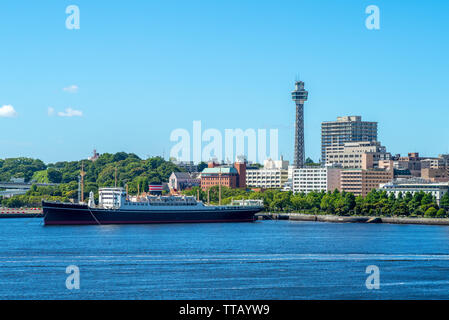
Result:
<point x="75" y="214"/>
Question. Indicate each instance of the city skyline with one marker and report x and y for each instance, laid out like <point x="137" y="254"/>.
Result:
<point x="147" y="78"/>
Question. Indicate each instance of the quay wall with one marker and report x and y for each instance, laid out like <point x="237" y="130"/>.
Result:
<point x="352" y="219"/>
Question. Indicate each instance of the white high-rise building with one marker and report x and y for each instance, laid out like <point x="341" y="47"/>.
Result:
<point x="273" y="175"/>
<point x="316" y="179"/>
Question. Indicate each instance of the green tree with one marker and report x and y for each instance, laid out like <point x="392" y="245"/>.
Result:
<point x="54" y="175"/>
<point x="427" y="199"/>
<point x="350" y="202"/>
<point x="327" y="203"/>
<point x="309" y="161"/>
<point x="202" y="166"/>
<point x="430" y="213"/>
<point x="281" y="200"/>
<point x="441" y="213"/>
<point x="298" y="201"/>
<point x="444" y="201"/>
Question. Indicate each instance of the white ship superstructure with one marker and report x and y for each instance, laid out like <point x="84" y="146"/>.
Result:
<point x="117" y="199"/>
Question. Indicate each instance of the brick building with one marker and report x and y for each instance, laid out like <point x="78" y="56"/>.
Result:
<point x="231" y="177"/>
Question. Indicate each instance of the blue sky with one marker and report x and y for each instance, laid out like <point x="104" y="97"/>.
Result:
<point x="145" y="68"/>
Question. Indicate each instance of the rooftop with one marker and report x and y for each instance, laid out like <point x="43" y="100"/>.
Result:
<point x="182" y="175"/>
<point x="218" y="170"/>
<point x="415" y="182"/>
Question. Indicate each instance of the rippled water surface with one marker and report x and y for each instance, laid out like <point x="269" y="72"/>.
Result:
<point x="261" y="260"/>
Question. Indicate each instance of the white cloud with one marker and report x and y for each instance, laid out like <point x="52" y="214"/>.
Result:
<point x="50" y="111"/>
<point x="7" y="111"/>
<point x="71" y="89"/>
<point x="69" y="112"/>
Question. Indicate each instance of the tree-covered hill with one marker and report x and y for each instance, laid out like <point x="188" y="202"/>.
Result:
<point x="20" y="168"/>
<point x="130" y="168"/>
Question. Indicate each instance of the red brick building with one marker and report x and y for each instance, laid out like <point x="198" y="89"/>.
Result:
<point x="231" y="177"/>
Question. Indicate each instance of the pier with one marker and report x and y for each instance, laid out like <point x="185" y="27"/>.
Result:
<point x="20" y="213"/>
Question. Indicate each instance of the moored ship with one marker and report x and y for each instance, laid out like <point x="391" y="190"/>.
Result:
<point x="115" y="207"/>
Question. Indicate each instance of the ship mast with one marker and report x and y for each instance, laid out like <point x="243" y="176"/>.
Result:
<point x="126" y="185"/>
<point x="219" y="188"/>
<point x="82" y="174"/>
<point x="115" y="178"/>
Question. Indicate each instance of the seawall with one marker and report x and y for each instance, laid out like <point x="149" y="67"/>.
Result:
<point x="352" y="219"/>
<point x="20" y="213"/>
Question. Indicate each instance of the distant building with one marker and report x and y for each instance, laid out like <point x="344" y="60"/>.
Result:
<point x="273" y="175"/>
<point x="415" y="185"/>
<point x="316" y="179"/>
<point x="188" y="166"/>
<point x="432" y="163"/>
<point x="240" y="166"/>
<point x="445" y="158"/>
<point x="435" y="174"/>
<point x="361" y="181"/>
<point x="335" y="134"/>
<point x="276" y="164"/>
<point x="288" y="186"/>
<point x="179" y="181"/>
<point x="228" y="176"/>
<point x="412" y="163"/>
<point x="402" y="174"/>
<point x="416" y="165"/>
<point x="225" y="176"/>
<point x="355" y="154"/>
<point x="95" y="156"/>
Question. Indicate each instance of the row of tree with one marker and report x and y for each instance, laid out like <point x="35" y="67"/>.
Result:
<point x="376" y="203"/>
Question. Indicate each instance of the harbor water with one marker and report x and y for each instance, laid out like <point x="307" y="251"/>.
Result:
<point x="261" y="260"/>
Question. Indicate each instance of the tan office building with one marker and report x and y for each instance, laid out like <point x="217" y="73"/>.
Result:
<point x="350" y="155"/>
<point x="435" y="175"/>
<point x="361" y="181"/>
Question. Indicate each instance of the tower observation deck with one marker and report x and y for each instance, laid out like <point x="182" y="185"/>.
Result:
<point x="299" y="96"/>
